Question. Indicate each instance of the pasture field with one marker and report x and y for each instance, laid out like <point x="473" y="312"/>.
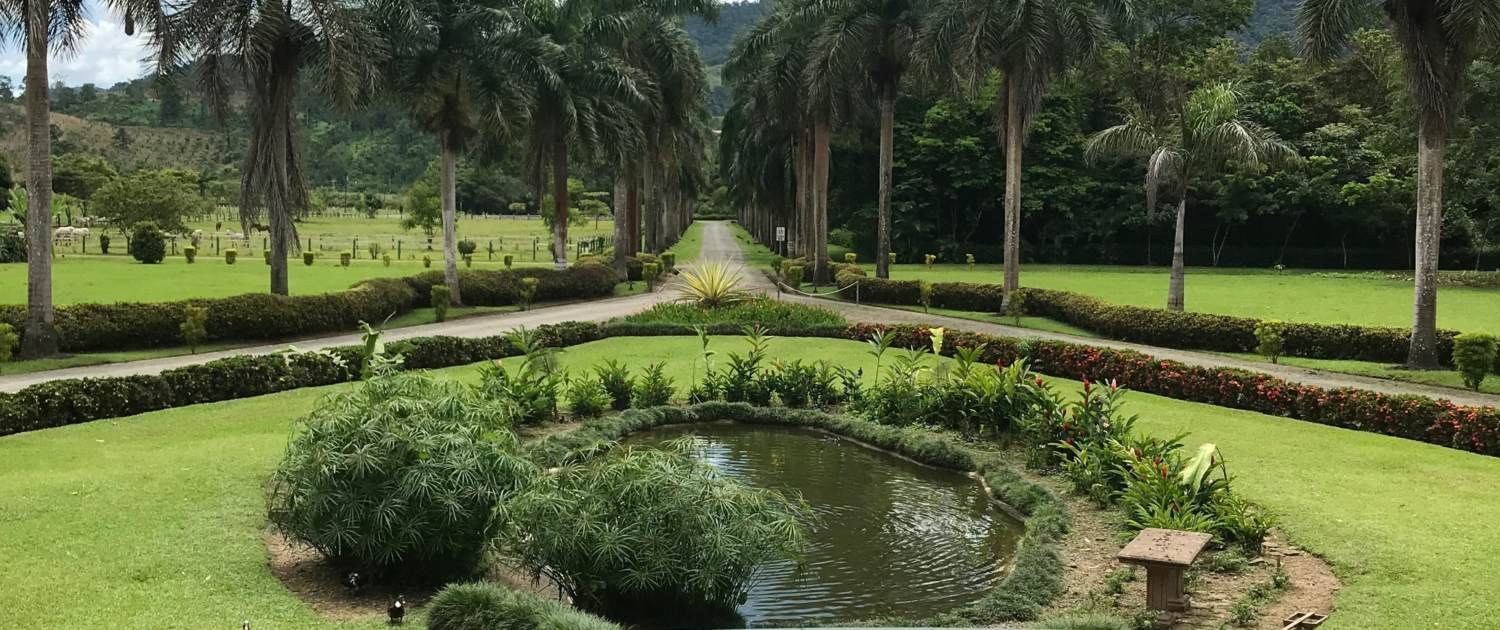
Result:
<point x="385" y="224"/>
<point x="168" y="507"/>
<point x="1292" y="296"/>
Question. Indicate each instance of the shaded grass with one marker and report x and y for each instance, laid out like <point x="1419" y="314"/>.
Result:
<point x="1363" y="299"/>
<point x="155" y="521"/>
<point x="690" y="246"/>
<point x="757" y="257"/>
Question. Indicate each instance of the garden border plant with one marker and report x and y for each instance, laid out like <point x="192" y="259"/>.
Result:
<point x="1420" y="418"/>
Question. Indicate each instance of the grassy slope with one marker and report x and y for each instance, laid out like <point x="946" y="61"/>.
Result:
<point x="690" y="245"/>
<point x="757" y="256"/>
<point x="1291" y="296"/>
<point x="155" y="521"/>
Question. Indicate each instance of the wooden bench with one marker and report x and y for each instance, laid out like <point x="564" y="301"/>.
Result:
<point x="1165" y="553"/>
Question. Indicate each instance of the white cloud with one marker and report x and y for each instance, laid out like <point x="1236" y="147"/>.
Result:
<point x="105" y="56"/>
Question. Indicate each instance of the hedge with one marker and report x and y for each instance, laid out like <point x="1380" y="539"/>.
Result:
<point x="1036" y="577"/>
<point x="262" y="316"/>
<point x="1441" y="422"/>
<point x="1158" y="327"/>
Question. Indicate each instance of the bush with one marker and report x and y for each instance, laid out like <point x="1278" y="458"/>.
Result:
<point x="441" y="298"/>
<point x="637" y="531"/>
<point x="426" y="261"/>
<point x="655" y="388"/>
<point x="772" y="314"/>
<point x="851" y="258"/>
<point x="8" y="341"/>
<point x="308" y="258"/>
<point x="529" y="287"/>
<point x="469" y="261"/>
<point x="484" y="606"/>
<point x="265" y="254"/>
<point x="1270" y="339"/>
<point x="617" y="381"/>
<point x="668" y="261"/>
<point x="587" y="398"/>
<point x="712" y="285"/>
<point x="467" y="248"/>
<point x="147" y="243"/>
<point x="1474" y="356"/>
<point x="190" y="253"/>
<point x="793" y="277"/>
<point x="103" y="246"/>
<point x="194" y="326"/>
<point x="404" y="473"/>
<point x="345" y="257"/>
<point x="534" y="384"/>
<point x="385" y="259"/>
<point x="229" y="256"/>
<point x="651" y="271"/>
<point x="509" y="259"/>
<point x="12" y="247"/>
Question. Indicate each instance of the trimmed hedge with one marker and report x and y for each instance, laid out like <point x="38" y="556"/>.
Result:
<point x="1441" y="422"/>
<point x="262" y="316"/>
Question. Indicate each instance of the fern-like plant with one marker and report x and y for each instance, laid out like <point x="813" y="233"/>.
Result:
<point x="711" y="285"/>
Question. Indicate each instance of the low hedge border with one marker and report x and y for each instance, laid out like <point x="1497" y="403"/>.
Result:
<point x="261" y="316"/>
<point x="1441" y="422"/>
<point x="1036" y="577"/>
<point x="1155" y="326"/>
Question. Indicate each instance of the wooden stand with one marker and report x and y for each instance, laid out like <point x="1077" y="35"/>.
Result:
<point x="1165" y="553"/>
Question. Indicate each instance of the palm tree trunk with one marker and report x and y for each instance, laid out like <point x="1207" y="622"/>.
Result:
<point x="1014" y="131"/>
<point x="649" y="204"/>
<point x="449" y="182"/>
<point x="887" y="151"/>
<point x="39" y="339"/>
<point x="1175" y="287"/>
<point x="272" y="178"/>
<point x="819" y="245"/>
<point x="622" y="219"/>
<point x="560" y="202"/>
<point x="633" y="197"/>
<point x="1431" y="141"/>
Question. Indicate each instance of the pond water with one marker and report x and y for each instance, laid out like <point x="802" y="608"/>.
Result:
<point x="894" y="538"/>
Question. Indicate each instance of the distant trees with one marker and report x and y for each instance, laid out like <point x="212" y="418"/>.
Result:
<point x="163" y="197"/>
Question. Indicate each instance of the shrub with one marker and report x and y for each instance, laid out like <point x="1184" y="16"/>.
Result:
<point x="467" y="248"/>
<point x="1270" y="339"/>
<point x="641" y="530"/>
<point x="190" y="253"/>
<point x="403" y="473"/>
<point x="668" y="261"/>
<point x="103" y="245"/>
<point x="928" y="260"/>
<point x="194" y="326"/>
<point x="851" y="258"/>
<point x="485" y="606"/>
<point x="1474" y="356"/>
<point x="469" y="261"/>
<point x="147" y="243"/>
<point x="770" y="313"/>
<point x="651" y="271"/>
<point x="509" y="259"/>
<point x="427" y="261"/>
<point x="587" y="398"/>
<point x="655" y="388"/>
<point x="385" y="259"/>
<point x="8" y="341"/>
<point x="266" y="255"/>
<point x="794" y="276"/>
<point x="345" y="257"/>
<point x="969" y="260"/>
<point x="528" y="291"/>
<point x="534" y="384"/>
<point x="711" y="285"/>
<point x="308" y="258"/>
<point x="617" y="381"/>
<point x="229" y="256"/>
<point x="374" y="249"/>
<point x="892" y="259"/>
<point x="441" y="299"/>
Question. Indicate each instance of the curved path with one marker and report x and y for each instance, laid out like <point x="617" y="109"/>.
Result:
<point x="719" y="244"/>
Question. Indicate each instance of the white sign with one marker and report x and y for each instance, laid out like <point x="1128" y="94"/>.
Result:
<point x="781" y="235"/>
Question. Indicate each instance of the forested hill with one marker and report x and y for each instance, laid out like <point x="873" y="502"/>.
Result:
<point x="717" y="40"/>
<point x="1270" y="17"/>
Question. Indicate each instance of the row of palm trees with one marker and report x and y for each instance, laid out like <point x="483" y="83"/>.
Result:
<point x="813" y="65"/>
<point x="617" y="82"/>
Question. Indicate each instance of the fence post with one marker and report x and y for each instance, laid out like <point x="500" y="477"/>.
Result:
<point x="398" y="249"/>
<point x="856" y="293"/>
<point x="354" y="249"/>
<point x="216" y="244"/>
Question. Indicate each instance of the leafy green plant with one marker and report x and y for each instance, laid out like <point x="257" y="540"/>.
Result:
<point x="1270" y="338"/>
<point x="308" y="258"/>
<point x="617" y="381"/>
<point x="385" y="259"/>
<point x="892" y="258"/>
<point x="650" y="272"/>
<point x="486" y="606"/>
<point x="793" y="276"/>
<point x="637" y="530"/>
<point x="929" y="260"/>
<point x="1474" y="357"/>
<point x="711" y="285"/>
<point x="926" y="296"/>
<point x="509" y="260"/>
<point x="345" y="257"/>
<point x="655" y="388"/>
<point x="587" y="397"/>
<point x="441" y="298"/>
<point x="969" y="260"/>
<point x="8" y="341"/>
<point x="147" y="243"/>
<point x="104" y="244"/>
<point x="229" y="256"/>
<point x="467" y="248"/>
<point x="851" y="258"/>
<point x="403" y="473"/>
<point x="190" y="254"/>
<point x="194" y="326"/>
<point x="427" y="261"/>
<point x="535" y="383"/>
<point x="469" y="261"/>
<point x="668" y="261"/>
<point x="527" y="293"/>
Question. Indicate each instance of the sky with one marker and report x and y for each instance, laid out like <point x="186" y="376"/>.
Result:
<point x="105" y="56"/>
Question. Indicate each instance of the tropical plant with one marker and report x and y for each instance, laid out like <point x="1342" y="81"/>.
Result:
<point x="587" y="397"/>
<point x="1270" y="338"/>
<point x="441" y="299"/>
<point x="1030" y="42"/>
<point x="487" y="606"/>
<point x="402" y="473"/>
<point x="655" y="388"/>
<point x="147" y="243"/>
<point x="617" y="381"/>
<point x="712" y="284"/>
<point x="1438" y="41"/>
<point x="268" y="46"/>
<point x="534" y="385"/>
<point x="1474" y="357"/>
<point x="527" y="292"/>
<point x="636" y="530"/>
<point x="194" y="326"/>
<point x="1207" y="136"/>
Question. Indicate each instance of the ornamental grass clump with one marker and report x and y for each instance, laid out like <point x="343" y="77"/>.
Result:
<point x="404" y="474"/>
<point x="1474" y="357"/>
<point x="637" y="531"/>
<point x="711" y="285"/>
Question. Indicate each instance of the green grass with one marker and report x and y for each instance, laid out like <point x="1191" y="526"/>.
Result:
<point x="757" y="257"/>
<point x="155" y="521"/>
<point x="1034" y="323"/>
<point x="1439" y="378"/>
<point x="1363" y="299"/>
<point x="690" y="246"/>
<point x="336" y="230"/>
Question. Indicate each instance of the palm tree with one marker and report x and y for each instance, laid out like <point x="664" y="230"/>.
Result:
<point x="592" y="96"/>
<point x="43" y="25"/>
<point x="1201" y="140"/>
<point x="268" y="45"/>
<point x="1029" y="42"/>
<point x="1438" y="40"/>
<point x="452" y="63"/>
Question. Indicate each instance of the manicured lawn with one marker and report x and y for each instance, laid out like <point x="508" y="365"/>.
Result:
<point x="1440" y="378"/>
<point x="688" y="247"/>
<point x="155" y="521"/>
<point x="389" y="225"/>
<point x="1292" y="296"/>
<point x="757" y="256"/>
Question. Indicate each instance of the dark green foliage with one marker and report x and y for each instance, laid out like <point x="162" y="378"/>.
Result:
<point x="668" y="261"/>
<point x="147" y="243"/>
<point x="441" y="297"/>
<point x="467" y="247"/>
<point x="1474" y="356"/>
<point x="486" y="606"/>
<point x="190" y="254"/>
<point x="103" y="246"/>
<point x="618" y="382"/>
<point x="531" y="383"/>
<point x="772" y="314"/>
<point x="12" y="247"/>
<point x="655" y="388"/>
<point x="403" y="473"/>
<point x="8" y="341"/>
<point x="793" y="276"/>
<point x="587" y="398"/>
<point x="229" y="256"/>
<point x="308" y="258"/>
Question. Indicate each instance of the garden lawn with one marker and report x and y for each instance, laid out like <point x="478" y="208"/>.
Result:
<point x="1293" y="296"/>
<point x="757" y="257"/>
<point x="690" y="245"/>
<point x="156" y="521"/>
<point x="1440" y="378"/>
<point x="474" y="228"/>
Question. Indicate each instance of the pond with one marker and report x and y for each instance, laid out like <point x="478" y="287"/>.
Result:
<point x="894" y="539"/>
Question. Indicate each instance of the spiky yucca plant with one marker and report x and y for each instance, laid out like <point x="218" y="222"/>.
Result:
<point x="711" y="285"/>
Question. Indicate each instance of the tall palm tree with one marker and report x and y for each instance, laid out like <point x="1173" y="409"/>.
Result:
<point x="40" y="26"/>
<point x="268" y="44"/>
<point x="1438" y="40"/>
<point x="452" y="66"/>
<point x="1029" y="42"/>
<point x="1205" y="137"/>
<point x="593" y="97"/>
